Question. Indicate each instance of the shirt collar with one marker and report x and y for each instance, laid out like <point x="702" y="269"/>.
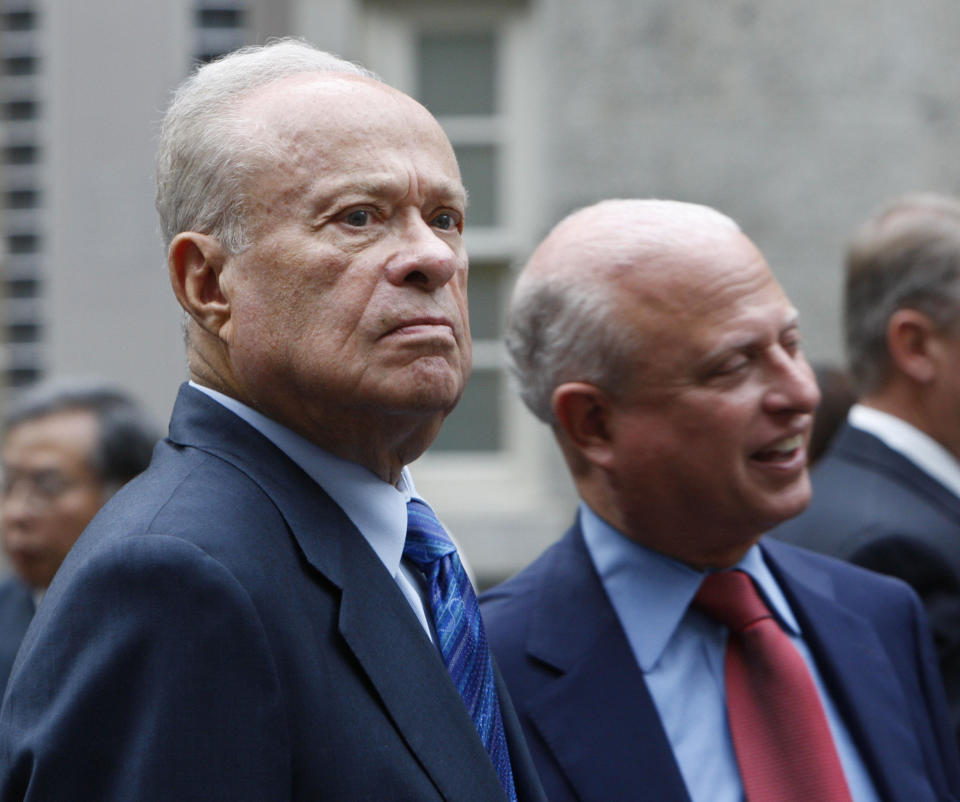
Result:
<point x="377" y="508"/>
<point x="652" y="592"/>
<point x="907" y="440"/>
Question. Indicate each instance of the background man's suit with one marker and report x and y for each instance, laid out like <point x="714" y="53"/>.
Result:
<point x="590" y="721"/>
<point x="230" y="601"/>
<point x="16" y="612"/>
<point x="874" y="507"/>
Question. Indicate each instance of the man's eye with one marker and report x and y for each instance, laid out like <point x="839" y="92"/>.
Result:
<point x="446" y="221"/>
<point x="733" y="366"/>
<point x="357" y="218"/>
<point x="791" y="345"/>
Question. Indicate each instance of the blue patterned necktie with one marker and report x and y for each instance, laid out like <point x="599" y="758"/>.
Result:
<point x="456" y="619"/>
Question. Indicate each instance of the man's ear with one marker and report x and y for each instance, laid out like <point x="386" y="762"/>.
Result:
<point x="910" y="341"/>
<point x="195" y="262"/>
<point x="582" y="412"/>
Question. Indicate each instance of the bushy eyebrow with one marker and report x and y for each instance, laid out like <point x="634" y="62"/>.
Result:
<point x="442" y="192"/>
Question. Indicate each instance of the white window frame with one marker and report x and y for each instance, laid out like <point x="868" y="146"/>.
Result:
<point x="519" y="482"/>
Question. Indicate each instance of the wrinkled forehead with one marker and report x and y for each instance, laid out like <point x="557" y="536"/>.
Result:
<point x="346" y="124"/>
<point x="332" y="103"/>
<point x="705" y="273"/>
<point x="72" y="431"/>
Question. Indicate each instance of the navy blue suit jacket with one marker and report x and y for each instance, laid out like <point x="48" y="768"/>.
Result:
<point x="873" y="507"/>
<point x="222" y="631"/>
<point x="16" y="612"/>
<point x="592" y="726"/>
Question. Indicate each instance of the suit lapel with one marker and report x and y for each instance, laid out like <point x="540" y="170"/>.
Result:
<point x="858" y="446"/>
<point x="860" y="677"/>
<point x="576" y="631"/>
<point x="375" y="620"/>
<point x="412" y="682"/>
<point x="525" y="778"/>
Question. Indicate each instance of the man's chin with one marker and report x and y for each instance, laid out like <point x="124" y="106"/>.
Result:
<point x="437" y="389"/>
<point x="788" y="508"/>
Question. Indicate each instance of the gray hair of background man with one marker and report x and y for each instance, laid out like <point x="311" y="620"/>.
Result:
<point x="562" y="325"/>
<point x="205" y="155"/>
<point x="907" y="256"/>
<point x="126" y="436"/>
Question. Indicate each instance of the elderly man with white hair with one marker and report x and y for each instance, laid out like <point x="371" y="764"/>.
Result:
<point x="271" y="612"/>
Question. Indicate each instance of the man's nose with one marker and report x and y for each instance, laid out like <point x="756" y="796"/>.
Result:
<point x="794" y="387"/>
<point x="16" y="505"/>
<point x="423" y="258"/>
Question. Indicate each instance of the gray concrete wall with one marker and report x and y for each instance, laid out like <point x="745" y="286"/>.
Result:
<point x="795" y="118"/>
<point x="108" y="308"/>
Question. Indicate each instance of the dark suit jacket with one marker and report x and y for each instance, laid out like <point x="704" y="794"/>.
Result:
<point x="591" y="723"/>
<point x="16" y="612"/>
<point x="873" y="507"/>
<point x="222" y="631"/>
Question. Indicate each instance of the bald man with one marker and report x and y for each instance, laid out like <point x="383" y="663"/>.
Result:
<point x="655" y="341"/>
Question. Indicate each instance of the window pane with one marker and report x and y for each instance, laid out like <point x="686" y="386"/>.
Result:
<point x="23" y="199"/>
<point x="19" y="21"/>
<point x="219" y="17"/>
<point x="475" y="424"/>
<point x="478" y="168"/>
<point x="486" y="294"/>
<point x="23" y="243"/>
<point x="455" y="72"/>
<point x="20" y="110"/>
<point x="23" y="288"/>
<point x="21" y="154"/>
<point x="20" y="65"/>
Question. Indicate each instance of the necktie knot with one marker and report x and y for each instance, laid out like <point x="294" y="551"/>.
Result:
<point x="427" y="541"/>
<point x="731" y="598"/>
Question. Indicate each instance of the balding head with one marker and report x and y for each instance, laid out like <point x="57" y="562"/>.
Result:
<point x="562" y="323"/>
<point x="614" y="235"/>
<point x="654" y="338"/>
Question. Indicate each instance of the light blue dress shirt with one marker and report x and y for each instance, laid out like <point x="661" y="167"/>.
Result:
<point x="680" y="652"/>
<point x="377" y="508"/>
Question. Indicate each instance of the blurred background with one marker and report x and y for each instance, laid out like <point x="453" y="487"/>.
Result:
<point x="797" y="119"/>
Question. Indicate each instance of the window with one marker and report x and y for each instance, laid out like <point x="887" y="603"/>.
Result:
<point x="454" y="62"/>
<point x="456" y="78"/>
<point x="21" y="156"/>
<point x="474" y="67"/>
<point x="219" y="27"/>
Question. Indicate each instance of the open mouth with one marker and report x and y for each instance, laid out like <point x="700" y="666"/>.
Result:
<point x="782" y="451"/>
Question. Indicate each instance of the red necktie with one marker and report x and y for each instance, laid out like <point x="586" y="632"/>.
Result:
<point x="780" y="734"/>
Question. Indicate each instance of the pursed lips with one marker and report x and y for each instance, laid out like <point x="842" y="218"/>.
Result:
<point x="412" y="325"/>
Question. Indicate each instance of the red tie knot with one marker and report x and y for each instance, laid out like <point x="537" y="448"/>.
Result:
<point x="730" y="598"/>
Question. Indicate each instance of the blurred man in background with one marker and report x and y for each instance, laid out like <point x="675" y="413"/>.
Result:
<point x="887" y="492"/>
<point x="67" y="446"/>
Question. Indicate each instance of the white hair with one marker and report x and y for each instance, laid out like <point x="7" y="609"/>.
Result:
<point x="205" y="155"/>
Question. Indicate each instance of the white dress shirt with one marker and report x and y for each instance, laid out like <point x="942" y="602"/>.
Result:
<point x="908" y="441"/>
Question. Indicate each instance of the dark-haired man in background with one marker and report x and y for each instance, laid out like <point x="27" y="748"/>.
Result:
<point x="66" y="447"/>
